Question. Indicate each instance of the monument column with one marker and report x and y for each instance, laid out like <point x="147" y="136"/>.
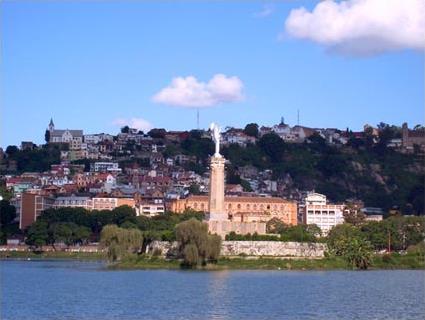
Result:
<point x="217" y="210"/>
<point x="216" y="207"/>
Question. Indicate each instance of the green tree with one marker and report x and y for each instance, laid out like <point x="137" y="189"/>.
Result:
<point x="347" y="241"/>
<point x="191" y="255"/>
<point x="125" y="129"/>
<point x="62" y="232"/>
<point x="194" y="189"/>
<point x="275" y="225"/>
<point x="120" y="242"/>
<point x="47" y="136"/>
<point x="81" y="234"/>
<point x="251" y="129"/>
<point x="246" y="186"/>
<point x="157" y="133"/>
<point x="196" y="245"/>
<point x="232" y="177"/>
<point x="7" y="213"/>
<point x="358" y="253"/>
<point x="301" y="233"/>
<point x="353" y="214"/>
<point x="37" y="234"/>
<point x="273" y="146"/>
<point x="68" y="233"/>
<point x="11" y="150"/>
<point x="5" y="193"/>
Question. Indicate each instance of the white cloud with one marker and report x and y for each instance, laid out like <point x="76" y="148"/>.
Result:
<point x="136" y="123"/>
<point x="361" y="27"/>
<point x="189" y="92"/>
<point x="266" y="11"/>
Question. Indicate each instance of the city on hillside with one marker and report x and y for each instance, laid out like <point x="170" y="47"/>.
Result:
<point x="279" y="172"/>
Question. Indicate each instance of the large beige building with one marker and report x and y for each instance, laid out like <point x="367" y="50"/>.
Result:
<point x="244" y="209"/>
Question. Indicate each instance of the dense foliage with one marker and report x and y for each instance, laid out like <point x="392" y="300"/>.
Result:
<point x="36" y="160"/>
<point x="356" y="243"/>
<point x="347" y="241"/>
<point x="120" y="242"/>
<point x="297" y="233"/>
<point x="8" y="226"/>
<point x="52" y="226"/>
<point x="197" y="246"/>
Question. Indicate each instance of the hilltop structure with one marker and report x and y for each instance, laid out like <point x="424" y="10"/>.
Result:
<point x="410" y="138"/>
<point x="73" y="137"/>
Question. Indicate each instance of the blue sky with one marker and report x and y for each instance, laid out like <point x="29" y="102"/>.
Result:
<point x="91" y="65"/>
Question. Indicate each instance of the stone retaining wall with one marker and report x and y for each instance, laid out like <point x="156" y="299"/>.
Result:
<point x="250" y="248"/>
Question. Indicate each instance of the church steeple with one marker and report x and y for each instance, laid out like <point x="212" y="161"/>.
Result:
<point x="51" y="125"/>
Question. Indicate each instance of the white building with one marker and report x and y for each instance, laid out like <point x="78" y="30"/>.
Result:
<point x="151" y="208"/>
<point x="105" y="167"/>
<point x="235" y="136"/>
<point x="319" y="212"/>
<point x="96" y="138"/>
<point x="110" y="183"/>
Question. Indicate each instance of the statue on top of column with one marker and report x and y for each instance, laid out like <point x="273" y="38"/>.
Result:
<point x="216" y="136"/>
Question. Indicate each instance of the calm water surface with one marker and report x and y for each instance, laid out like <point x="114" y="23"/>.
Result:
<point x="85" y="290"/>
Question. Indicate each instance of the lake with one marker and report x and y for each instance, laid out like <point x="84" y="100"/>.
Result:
<point x="87" y="290"/>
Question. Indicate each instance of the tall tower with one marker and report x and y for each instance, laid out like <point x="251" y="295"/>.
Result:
<point x="404" y="134"/>
<point x="216" y="195"/>
<point x="51" y="125"/>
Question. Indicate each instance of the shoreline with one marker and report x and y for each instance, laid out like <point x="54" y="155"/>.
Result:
<point x="392" y="262"/>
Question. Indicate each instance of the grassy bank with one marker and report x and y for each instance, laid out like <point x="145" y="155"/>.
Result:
<point x="53" y="255"/>
<point x="394" y="261"/>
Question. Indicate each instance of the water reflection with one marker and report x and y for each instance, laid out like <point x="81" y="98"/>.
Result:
<point x="217" y="294"/>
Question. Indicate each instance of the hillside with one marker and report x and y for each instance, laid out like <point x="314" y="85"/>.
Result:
<point x="362" y="169"/>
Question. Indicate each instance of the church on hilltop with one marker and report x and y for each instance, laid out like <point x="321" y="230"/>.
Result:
<point x="73" y="137"/>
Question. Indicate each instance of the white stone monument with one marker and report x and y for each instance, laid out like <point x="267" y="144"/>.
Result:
<point x="217" y="219"/>
<point x="216" y="208"/>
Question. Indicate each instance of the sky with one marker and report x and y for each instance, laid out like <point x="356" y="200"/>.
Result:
<point x="99" y="65"/>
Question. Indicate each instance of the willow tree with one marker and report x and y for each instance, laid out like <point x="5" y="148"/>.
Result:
<point x="196" y="245"/>
<point x="120" y="242"/>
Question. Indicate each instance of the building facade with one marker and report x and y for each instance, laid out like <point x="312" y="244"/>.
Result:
<point x="243" y="209"/>
<point x="96" y="203"/>
<point x="31" y="206"/>
<point x="324" y="215"/>
<point x="410" y="138"/>
<point x="73" y="137"/>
